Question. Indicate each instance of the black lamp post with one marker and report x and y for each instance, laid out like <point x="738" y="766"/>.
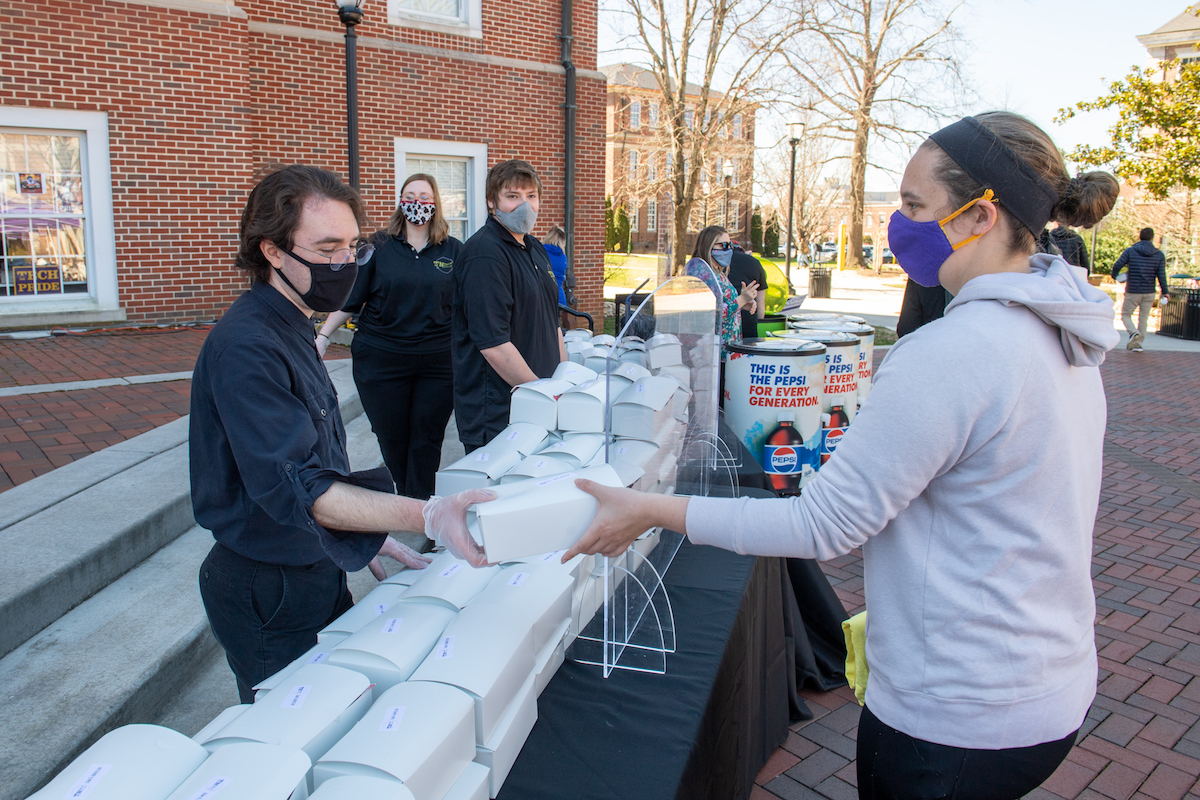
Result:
<point x="795" y="130"/>
<point x="727" y="179"/>
<point x="350" y="14"/>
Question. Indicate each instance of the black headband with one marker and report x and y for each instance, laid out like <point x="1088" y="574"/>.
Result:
<point x="987" y="159"/>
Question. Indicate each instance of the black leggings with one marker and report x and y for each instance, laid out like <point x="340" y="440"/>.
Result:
<point x="895" y="766"/>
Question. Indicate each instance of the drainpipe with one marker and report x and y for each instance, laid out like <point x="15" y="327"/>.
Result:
<point x="569" y="144"/>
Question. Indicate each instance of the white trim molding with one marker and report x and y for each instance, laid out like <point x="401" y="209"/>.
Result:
<point x="469" y="22"/>
<point x="476" y="152"/>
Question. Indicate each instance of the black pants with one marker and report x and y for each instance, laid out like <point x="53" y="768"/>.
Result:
<point x="409" y="399"/>
<point x="895" y="766"/>
<point x="267" y="615"/>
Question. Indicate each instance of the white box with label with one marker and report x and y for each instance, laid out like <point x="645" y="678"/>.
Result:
<point x="552" y="515"/>
<point x="575" y="373"/>
<point x="133" y="762"/>
<point x="663" y="350"/>
<point x="577" y="335"/>
<point x="579" y="565"/>
<point x="524" y="437"/>
<point x="597" y="360"/>
<point x="389" y="648"/>
<point x="537" y="402"/>
<point x="579" y="351"/>
<point x="574" y="451"/>
<point x="317" y="654"/>
<point x="407" y="576"/>
<point x="225" y="717"/>
<point x="451" y="581"/>
<point x="314" y="708"/>
<point x="377" y="601"/>
<point x="421" y="734"/>
<point x="471" y="785"/>
<point x="500" y="752"/>
<point x="606" y="339"/>
<point x="644" y="408"/>
<point x="583" y="407"/>
<point x="540" y="592"/>
<point x="534" y="466"/>
<point x="551" y="657"/>
<point x="487" y="652"/>
<point x="249" y="771"/>
<point x="478" y="469"/>
<point x="358" y="787"/>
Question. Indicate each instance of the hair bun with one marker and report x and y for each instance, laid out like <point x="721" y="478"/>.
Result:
<point x="1089" y="197"/>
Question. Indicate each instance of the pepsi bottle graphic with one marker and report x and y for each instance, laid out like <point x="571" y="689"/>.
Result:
<point x="833" y="428"/>
<point x="781" y="456"/>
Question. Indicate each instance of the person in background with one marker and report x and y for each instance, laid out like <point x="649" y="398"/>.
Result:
<point x="505" y="322"/>
<point x="744" y="270"/>
<point x="1071" y="245"/>
<point x="1145" y="264"/>
<point x="401" y="347"/>
<point x="710" y="263"/>
<point x="921" y="305"/>
<point x="970" y="479"/>
<point x="554" y="243"/>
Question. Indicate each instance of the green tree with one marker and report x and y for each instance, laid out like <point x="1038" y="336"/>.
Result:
<point x="756" y="230"/>
<point x="622" y="229"/>
<point x="771" y="237"/>
<point x="610" y="227"/>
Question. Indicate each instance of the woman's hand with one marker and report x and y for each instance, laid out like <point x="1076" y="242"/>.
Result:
<point x="747" y="299"/>
<point x="623" y="516"/>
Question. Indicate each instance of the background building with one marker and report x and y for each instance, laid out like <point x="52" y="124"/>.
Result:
<point x="637" y="166"/>
<point x="132" y="130"/>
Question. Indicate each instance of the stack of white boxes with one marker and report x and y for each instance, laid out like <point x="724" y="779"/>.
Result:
<point x="427" y="688"/>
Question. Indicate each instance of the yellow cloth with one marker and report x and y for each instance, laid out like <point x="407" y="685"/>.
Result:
<point x="857" y="670"/>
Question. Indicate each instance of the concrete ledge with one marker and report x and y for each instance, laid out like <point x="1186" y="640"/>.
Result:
<point x="115" y="659"/>
<point x="47" y="319"/>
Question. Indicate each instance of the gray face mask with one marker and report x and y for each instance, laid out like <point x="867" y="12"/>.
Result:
<point x="520" y="220"/>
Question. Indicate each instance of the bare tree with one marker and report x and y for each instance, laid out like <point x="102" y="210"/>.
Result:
<point x="818" y="187"/>
<point x="872" y="67"/>
<point x="690" y="45"/>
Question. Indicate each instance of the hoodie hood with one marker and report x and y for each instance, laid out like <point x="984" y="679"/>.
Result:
<point x="1061" y="296"/>
<point x="1145" y="247"/>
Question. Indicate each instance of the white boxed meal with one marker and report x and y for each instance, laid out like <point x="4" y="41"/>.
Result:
<point x="663" y="350"/>
<point x="537" y="402"/>
<point x="632" y="356"/>
<point x="677" y="372"/>
<point x="388" y="649"/>
<point x="471" y="785"/>
<point x="524" y="437"/>
<point x="478" y="469"/>
<point x="574" y="451"/>
<point x="421" y="734"/>
<point x="451" y="581"/>
<point x="230" y="714"/>
<point x="405" y="577"/>
<point x="597" y="359"/>
<point x="500" y="751"/>
<point x="575" y="373"/>
<point x="578" y="351"/>
<point x="551" y="657"/>
<point x="644" y="408"/>
<point x="577" y="334"/>
<point x="487" y="652"/>
<point x="540" y="592"/>
<point x="606" y="339"/>
<point x="358" y="787"/>
<point x="377" y="601"/>
<point x="552" y="514"/>
<point x="534" y="466"/>
<point x="249" y="771"/>
<point x="640" y="453"/>
<point x="317" y="654"/>
<point x="579" y="565"/>
<point x="311" y="710"/>
<point x="667" y="472"/>
<point x="629" y="371"/>
<point x="583" y="407"/>
<point x="133" y="762"/>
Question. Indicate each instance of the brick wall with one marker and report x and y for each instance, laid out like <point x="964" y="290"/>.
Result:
<point x="198" y="102"/>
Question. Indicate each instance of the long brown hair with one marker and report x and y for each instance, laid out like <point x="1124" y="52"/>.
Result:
<point x="704" y="245"/>
<point x="439" y="229"/>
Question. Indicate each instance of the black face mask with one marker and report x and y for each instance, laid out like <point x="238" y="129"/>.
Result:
<point x="329" y="288"/>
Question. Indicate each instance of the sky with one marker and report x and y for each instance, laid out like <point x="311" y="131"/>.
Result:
<point x="1033" y="57"/>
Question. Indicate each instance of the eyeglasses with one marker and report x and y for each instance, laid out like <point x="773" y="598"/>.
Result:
<point x="360" y="254"/>
<point x="723" y="246"/>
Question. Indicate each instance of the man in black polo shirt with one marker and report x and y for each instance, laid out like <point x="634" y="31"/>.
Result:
<point x="270" y="474"/>
<point x="505" y="328"/>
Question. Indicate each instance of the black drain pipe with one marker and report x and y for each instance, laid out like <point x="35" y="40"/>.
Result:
<point x="569" y="147"/>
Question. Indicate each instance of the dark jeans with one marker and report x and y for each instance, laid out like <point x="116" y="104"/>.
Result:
<point x="895" y="766"/>
<point x="267" y="615"/>
<point x="409" y="399"/>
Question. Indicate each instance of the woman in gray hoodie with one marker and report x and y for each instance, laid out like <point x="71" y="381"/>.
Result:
<point x="970" y="479"/>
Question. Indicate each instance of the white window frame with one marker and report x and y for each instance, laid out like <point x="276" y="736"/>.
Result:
<point x="735" y="216"/>
<point x="635" y="114"/>
<point x="652" y="167"/>
<point x="651" y="216"/>
<point x="653" y="115"/>
<point x="469" y="22"/>
<point x="737" y="126"/>
<point x="634" y="216"/>
<point x="100" y="240"/>
<point x="633" y="165"/>
<point x="477" y="168"/>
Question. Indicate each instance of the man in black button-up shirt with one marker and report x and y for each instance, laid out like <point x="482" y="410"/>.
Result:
<point x="269" y="470"/>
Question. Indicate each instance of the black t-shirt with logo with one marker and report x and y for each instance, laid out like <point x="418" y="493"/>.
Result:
<point x="503" y="292"/>
<point x="403" y="297"/>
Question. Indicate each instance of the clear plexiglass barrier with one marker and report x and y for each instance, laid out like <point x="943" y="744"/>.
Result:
<point x="663" y="378"/>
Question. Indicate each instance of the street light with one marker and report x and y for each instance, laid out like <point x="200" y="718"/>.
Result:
<point x="727" y="179"/>
<point x="350" y="14"/>
<point x="795" y="131"/>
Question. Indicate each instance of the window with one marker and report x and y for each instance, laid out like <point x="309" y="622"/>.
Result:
<point x="653" y="115"/>
<point x="633" y="165"/>
<point x="57" y="243"/>
<point x="456" y="17"/>
<point x="737" y="126"/>
<point x="460" y="169"/>
<point x="881" y="220"/>
<point x="652" y="167"/>
<point x="734" y="216"/>
<point x="635" y="114"/>
<point x="737" y="167"/>
<point x="689" y="118"/>
<point x="652" y="215"/>
<point x="707" y="117"/>
<point x="633" y="215"/>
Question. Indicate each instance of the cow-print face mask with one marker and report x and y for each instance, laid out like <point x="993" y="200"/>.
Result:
<point x="416" y="212"/>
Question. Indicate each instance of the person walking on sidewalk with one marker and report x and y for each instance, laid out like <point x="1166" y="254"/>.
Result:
<point x="270" y="475"/>
<point x="1144" y="264"/>
<point x="401" y="347"/>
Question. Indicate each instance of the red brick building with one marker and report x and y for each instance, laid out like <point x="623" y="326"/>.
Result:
<point x="131" y="132"/>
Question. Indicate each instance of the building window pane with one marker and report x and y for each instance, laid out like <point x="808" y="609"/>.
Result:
<point x="652" y="215"/>
<point x="689" y="118"/>
<point x="436" y="8"/>
<point x="635" y="114"/>
<point x="737" y="126"/>
<point x="653" y="114"/>
<point x="42" y="217"/>
<point x="734" y="216"/>
<point x="633" y="165"/>
<point x="633" y="216"/>
<point x="451" y="176"/>
<point x="652" y="167"/>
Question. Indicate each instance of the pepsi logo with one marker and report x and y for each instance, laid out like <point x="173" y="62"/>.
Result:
<point x="783" y="459"/>
<point x="832" y="437"/>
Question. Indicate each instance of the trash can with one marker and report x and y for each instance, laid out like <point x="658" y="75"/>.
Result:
<point x="769" y="322"/>
<point x="820" y="280"/>
<point x="1181" y="316"/>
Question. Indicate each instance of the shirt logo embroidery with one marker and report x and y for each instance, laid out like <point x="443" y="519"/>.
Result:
<point x="444" y="265"/>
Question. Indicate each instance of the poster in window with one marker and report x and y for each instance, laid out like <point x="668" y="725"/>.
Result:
<point x="41" y="279"/>
<point x="31" y="183"/>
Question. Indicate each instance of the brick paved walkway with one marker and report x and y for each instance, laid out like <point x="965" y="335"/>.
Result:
<point x="1141" y="738"/>
<point x="39" y="432"/>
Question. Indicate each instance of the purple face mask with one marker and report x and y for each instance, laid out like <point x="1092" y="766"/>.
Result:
<point x="922" y="247"/>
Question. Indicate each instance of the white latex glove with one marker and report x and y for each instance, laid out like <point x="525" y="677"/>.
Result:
<point x="399" y="552"/>
<point x="322" y="344"/>
<point x="446" y="524"/>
